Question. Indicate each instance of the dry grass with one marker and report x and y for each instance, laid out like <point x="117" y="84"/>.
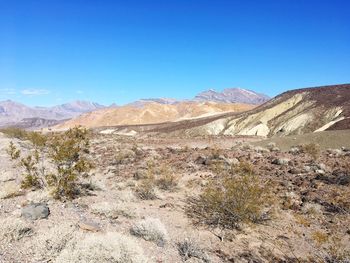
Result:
<point x="14" y="229"/>
<point x="151" y="229"/>
<point x="102" y="248"/>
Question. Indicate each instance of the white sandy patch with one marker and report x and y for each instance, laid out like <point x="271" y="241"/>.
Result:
<point x="329" y="124"/>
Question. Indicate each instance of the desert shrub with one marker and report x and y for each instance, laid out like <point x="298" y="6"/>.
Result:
<point x="311" y="149"/>
<point x="13" y="152"/>
<point x="67" y="154"/>
<point x="13" y="229"/>
<point x="9" y="190"/>
<point x="146" y="189"/>
<point x="243" y="168"/>
<point x="167" y="180"/>
<point x="102" y="248"/>
<point x="228" y="201"/>
<point x="109" y="210"/>
<point x="151" y="229"/>
<point x="67" y="151"/>
<point x="38" y="139"/>
<point x="31" y="171"/>
<point x="32" y="166"/>
<point x="189" y="249"/>
<point x="331" y="249"/>
<point x="14" y="132"/>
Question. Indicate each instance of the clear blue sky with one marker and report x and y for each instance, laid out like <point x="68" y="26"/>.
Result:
<point x="54" y="51"/>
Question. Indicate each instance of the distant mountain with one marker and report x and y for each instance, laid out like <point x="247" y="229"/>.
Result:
<point x="13" y="113"/>
<point x="143" y="102"/>
<point x="291" y="113"/>
<point x="234" y="95"/>
<point x="75" y="108"/>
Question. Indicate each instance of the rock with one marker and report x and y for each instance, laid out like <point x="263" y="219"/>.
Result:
<point x="89" y="226"/>
<point x="345" y="149"/>
<point x="234" y="161"/>
<point x="295" y="171"/>
<point x="294" y="150"/>
<point x="335" y="152"/>
<point x="275" y="149"/>
<point x="320" y="172"/>
<point x="281" y="161"/>
<point x="307" y="169"/>
<point x="271" y="145"/>
<point x="35" y="211"/>
<point x="201" y="159"/>
<point x="259" y="149"/>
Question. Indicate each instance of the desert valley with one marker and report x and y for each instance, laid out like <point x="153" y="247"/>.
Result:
<point x="224" y="177"/>
<point x="174" y="131"/>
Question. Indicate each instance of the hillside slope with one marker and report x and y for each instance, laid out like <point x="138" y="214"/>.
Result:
<point x="293" y="112"/>
<point x="151" y="113"/>
<point x="233" y="95"/>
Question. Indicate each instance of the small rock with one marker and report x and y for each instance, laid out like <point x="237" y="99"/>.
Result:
<point x="89" y="226"/>
<point x="201" y="159"/>
<point x="275" y="149"/>
<point x="271" y="145"/>
<point x="320" y="172"/>
<point x="259" y="149"/>
<point x="281" y="161"/>
<point x="294" y="150"/>
<point x="35" y="211"/>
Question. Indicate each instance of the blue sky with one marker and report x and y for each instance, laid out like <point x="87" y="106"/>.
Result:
<point x="54" y="51"/>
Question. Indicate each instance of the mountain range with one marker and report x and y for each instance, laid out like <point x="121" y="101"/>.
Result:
<point x="17" y="114"/>
<point x="234" y="95"/>
<point x="293" y="112"/>
<point x="14" y="113"/>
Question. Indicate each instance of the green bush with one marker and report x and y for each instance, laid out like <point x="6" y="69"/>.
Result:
<point x="13" y="151"/>
<point x="14" y="132"/>
<point x="67" y="151"/>
<point x="228" y="201"/>
<point x="67" y="154"/>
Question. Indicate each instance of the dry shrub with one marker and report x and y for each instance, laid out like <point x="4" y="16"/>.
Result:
<point x="13" y="151"/>
<point x="13" y="132"/>
<point x="167" y="180"/>
<point x="319" y="237"/>
<point x="102" y="248"/>
<point x="189" y="249"/>
<point x="228" y="201"/>
<point x="330" y="249"/>
<point x="151" y="229"/>
<point x="31" y="171"/>
<point x="10" y="190"/>
<point x="311" y="149"/>
<point x="36" y="138"/>
<point x="146" y="190"/>
<point x="14" y="229"/>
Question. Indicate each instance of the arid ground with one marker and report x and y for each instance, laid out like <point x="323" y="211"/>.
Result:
<point x="304" y="216"/>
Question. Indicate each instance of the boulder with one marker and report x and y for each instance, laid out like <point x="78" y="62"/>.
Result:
<point x="35" y="211"/>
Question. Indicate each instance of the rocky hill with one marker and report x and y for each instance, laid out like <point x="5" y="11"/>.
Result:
<point x="152" y="112"/>
<point x="293" y="112"/>
<point x="234" y="95"/>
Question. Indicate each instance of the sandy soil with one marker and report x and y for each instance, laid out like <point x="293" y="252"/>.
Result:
<point x="306" y="218"/>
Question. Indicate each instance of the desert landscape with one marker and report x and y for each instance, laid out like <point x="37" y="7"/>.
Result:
<point x="174" y="131"/>
<point x="268" y="184"/>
